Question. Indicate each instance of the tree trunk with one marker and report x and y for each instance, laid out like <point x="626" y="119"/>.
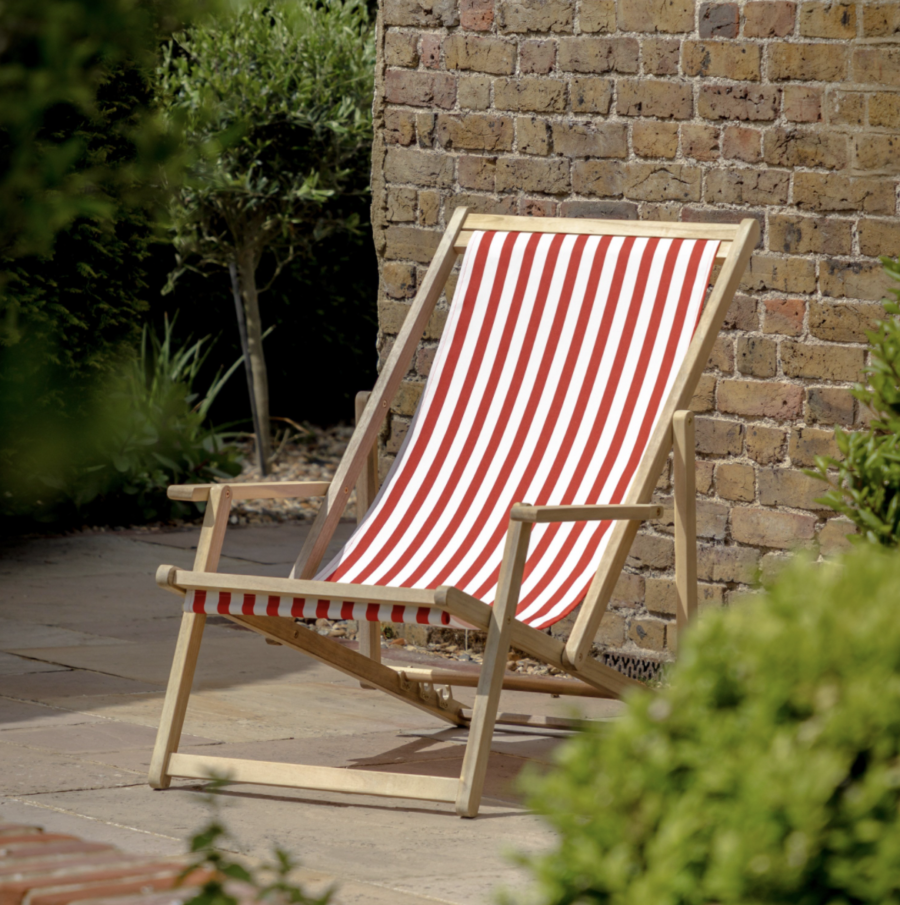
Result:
<point x="245" y="261"/>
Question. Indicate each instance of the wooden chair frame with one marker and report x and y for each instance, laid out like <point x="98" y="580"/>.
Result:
<point x="422" y="688"/>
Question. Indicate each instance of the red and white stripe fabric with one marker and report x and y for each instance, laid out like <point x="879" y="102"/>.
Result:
<point x="558" y="353"/>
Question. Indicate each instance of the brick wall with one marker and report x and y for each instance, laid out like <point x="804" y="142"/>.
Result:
<point x="670" y="110"/>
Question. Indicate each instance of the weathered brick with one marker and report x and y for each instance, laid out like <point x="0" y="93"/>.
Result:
<point x="476" y="15"/>
<point x="784" y="316"/>
<point x="660" y="56"/>
<point x="741" y="102"/>
<point x="735" y="481"/>
<point x="844" y="322"/>
<point x="407" y="397"/>
<point x="765" y="444"/>
<point x="875" y="236"/>
<point x="787" y="487"/>
<point x="474" y="92"/>
<point x="823" y="362"/>
<point x="704" y="469"/>
<point x="480" y="54"/>
<point x="884" y="110"/>
<point x="600" y="210"/>
<point x="598" y="177"/>
<point x="834" y="538"/>
<point x="652" y="139"/>
<point x="401" y="205"/>
<point x="597" y="55"/>
<point x="649" y="634"/>
<point x="664" y="212"/>
<point x="575" y="139"/>
<point x="521" y="16"/>
<point x="827" y="20"/>
<point x="761" y="399"/>
<point x="802" y="104"/>
<point x="429" y="208"/>
<point x="425" y="359"/>
<point x="537" y="57"/>
<point x="401" y="49"/>
<point x="651" y="552"/>
<point x="756" y="357"/>
<point x="742" y="314"/>
<point x="719" y="20"/>
<point x="732" y="564"/>
<point x="650" y="97"/>
<point x="629" y="590"/>
<point x="597" y="16"/>
<point x="769" y="19"/>
<point x="661" y="598"/>
<point x="475" y="132"/>
<point x="723" y="59"/>
<point x="719" y="438"/>
<point x="742" y="143"/>
<point x="853" y="279"/>
<point x="425" y="130"/>
<point x="422" y="13"/>
<point x="768" y="272"/>
<point x="662" y="182"/>
<point x="845" y="108"/>
<point x="530" y="94"/>
<point x="808" y="62"/>
<point x="409" y="243"/>
<point x="481" y="204"/>
<point x="832" y="193"/>
<point x="537" y="207"/>
<point x="550" y="177"/>
<point x="670" y="16"/>
<point x="399" y="127"/>
<point x="704" y="398"/>
<point x="878" y="65"/>
<point x="746" y="186"/>
<point x="807" y="442"/>
<point x="590" y="95"/>
<point x="430" y="51"/>
<point x="829" y="405"/>
<point x="419" y="167"/>
<point x="420" y="89"/>
<point x="612" y="630"/>
<point x="771" y="528"/>
<point x="700" y="142"/>
<point x="399" y="279"/>
<point x="797" y="148"/>
<point x="722" y="355"/>
<point x="797" y="235"/>
<point x="399" y="428"/>
<point x="533" y="135"/>
<point x="881" y="20"/>
<point x="877" y="152"/>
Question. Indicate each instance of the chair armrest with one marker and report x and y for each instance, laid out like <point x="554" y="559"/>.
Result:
<point x="268" y="490"/>
<point x="522" y="512"/>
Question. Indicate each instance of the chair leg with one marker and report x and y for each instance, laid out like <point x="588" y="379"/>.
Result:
<point x="685" y="520"/>
<point x="177" y="693"/>
<point x="490" y="684"/>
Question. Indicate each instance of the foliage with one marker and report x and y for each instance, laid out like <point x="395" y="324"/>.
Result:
<point x="270" y="882"/>
<point x="145" y="428"/>
<point x="865" y="483"/>
<point x="769" y="771"/>
<point x="280" y="97"/>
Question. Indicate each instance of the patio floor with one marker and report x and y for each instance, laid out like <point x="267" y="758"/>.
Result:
<point x="86" y="640"/>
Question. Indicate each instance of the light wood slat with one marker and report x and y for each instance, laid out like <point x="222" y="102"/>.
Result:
<point x="388" y="383"/>
<point x="614" y="512"/>
<point x="255" y="490"/>
<point x="295" y="587"/>
<point x="353" y="664"/>
<point x="685" y="520"/>
<point x="511" y="682"/>
<point x="187" y="648"/>
<point x="538" y="722"/>
<point x="622" y="534"/>
<point x="322" y="779"/>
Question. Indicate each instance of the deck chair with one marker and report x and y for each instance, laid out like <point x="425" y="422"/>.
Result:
<point x="561" y="384"/>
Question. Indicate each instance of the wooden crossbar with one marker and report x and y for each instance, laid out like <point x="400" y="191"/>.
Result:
<point x="253" y="490"/>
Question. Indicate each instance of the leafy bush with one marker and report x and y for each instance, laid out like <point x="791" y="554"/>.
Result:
<point x="865" y="484"/>
<point x="769" y="771"/>
<point x="145" y="428"/>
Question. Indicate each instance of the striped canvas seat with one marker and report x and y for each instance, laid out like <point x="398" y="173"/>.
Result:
<point x="558" y="353"/>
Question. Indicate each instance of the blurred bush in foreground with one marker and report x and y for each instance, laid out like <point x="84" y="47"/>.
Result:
<point x="769" y="771"/>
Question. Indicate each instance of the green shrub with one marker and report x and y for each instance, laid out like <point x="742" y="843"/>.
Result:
<point x="865" y="483"/>
<point x="144" y="428"/>
<point x="768" y="771"/>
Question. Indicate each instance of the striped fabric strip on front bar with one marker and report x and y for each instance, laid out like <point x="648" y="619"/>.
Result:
<point x="558" y="353"/>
